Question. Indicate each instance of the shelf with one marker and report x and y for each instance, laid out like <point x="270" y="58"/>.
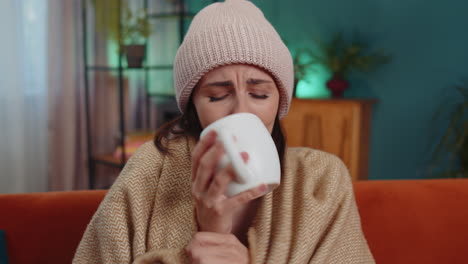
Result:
<point x="148" y="72"/>
<point x="171" y="96"/>
<point x="340" y="127"/>
<point x="132" y="142"/>
<point x="107" y="68"/>
<point x="338" y="100"/>
<point x="160" y="67"/>
<point x="109" y="159"/>
<point x="171" y="15"/>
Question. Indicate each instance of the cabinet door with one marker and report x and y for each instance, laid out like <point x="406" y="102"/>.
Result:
<point x="334" y="126"/>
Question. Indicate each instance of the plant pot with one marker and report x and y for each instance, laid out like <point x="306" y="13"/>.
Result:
<point x="135" y="55"/>
<point x="337" y="85"/>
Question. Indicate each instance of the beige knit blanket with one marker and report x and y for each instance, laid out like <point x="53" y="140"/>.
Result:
<point x="148" y="214"/>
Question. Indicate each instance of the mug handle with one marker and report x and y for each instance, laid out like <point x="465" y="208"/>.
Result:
<point x="242" y="172"/>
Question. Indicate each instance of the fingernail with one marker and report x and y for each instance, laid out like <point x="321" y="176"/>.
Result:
<point x="220" y="148"/>
<point x="213" y="134"/>
<point x="210" y="136"/>
<point x="245" y="156"/>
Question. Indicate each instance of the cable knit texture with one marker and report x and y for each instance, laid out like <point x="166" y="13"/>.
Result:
<point x="148" y="214"/>
<point x="232" y="32"/>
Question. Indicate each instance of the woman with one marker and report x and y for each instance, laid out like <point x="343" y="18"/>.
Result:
<point x="168" y="204"/>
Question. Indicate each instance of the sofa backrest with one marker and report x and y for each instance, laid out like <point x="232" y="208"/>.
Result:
<point x="415" y="221"/>
<point x="46" y="227"/>
<point x="404" y="221"/>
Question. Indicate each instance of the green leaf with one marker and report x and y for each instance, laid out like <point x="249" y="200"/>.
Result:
<point x="454" y="142"/>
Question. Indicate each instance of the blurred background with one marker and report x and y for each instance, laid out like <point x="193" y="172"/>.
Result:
<point x="382" y="84"/>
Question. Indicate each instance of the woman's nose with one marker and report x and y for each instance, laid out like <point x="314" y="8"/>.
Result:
<point x="240" y="105"/>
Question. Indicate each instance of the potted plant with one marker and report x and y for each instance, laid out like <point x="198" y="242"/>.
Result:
<point x="343" y="56"/>
<point x="132" y="32"/>
<point x="452" y="150"/>
<point x="135" y="31"/>
<point x="301" y="64"/>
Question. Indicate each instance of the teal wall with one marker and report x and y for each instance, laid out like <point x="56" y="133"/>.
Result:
<point x="429" y="42"/>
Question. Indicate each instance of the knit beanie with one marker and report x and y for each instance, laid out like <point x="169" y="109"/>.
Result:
<point x="232" y="32"/>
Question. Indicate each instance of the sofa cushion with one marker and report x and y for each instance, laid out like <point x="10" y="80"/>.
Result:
<point x="46" y="227"/>
<point x="404" y="221"/>
<point x="415" y="221"/>
<point x="3" y="249"/>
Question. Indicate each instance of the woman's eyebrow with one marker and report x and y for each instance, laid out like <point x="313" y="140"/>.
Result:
<point x="219" y="84"/>
<point x="230" y="83"/>
<point x="257" y="81"/>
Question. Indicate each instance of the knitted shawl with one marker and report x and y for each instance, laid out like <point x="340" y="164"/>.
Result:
<point x="148" y="214"/>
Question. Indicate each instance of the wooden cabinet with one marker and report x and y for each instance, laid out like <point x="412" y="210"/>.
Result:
<point x="337" y="126"/>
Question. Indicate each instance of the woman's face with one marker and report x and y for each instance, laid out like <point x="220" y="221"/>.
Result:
<point x="236" y="89"/>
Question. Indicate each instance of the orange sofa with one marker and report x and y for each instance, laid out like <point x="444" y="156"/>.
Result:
<point x="404" y="221"/>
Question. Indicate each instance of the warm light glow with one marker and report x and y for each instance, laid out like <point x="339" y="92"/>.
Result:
<point x="314" y="84"/>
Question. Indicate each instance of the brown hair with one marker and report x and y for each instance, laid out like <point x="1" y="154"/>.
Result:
<point x="188" y="125"/>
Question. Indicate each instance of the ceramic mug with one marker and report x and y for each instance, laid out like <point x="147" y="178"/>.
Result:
<point x="245" y="132"/>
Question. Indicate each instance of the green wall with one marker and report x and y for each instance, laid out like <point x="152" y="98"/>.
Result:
<point x="429" y="42"/>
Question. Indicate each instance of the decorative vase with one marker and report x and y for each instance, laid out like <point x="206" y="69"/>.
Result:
<point x="135" y="55"/>
<point x="337" y="85"/>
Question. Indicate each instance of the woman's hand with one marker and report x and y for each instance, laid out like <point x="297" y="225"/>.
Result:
<point x="214" y="210"/>
<point x="207" y="248"/>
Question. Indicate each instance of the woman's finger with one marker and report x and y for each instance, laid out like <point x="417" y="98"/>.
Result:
<point x="222" y="254"/>
<point x="246" y="196"/>
<point x="222" y="179"/>
<point x="211" y="247"/>
<point x="212" y="238"/>
<point x="245" y="156"/>
<point x="206" y="169"/>
<point x="220" y="182"/>
<point x="218" y="254"/>
<point x="202" y="146"/>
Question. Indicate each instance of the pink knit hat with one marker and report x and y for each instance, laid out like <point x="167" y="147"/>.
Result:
<point x="232" y="32"/>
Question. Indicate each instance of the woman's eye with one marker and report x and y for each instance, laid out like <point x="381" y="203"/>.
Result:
<point x="214" y="99"/>
<point x="259" y="96"/>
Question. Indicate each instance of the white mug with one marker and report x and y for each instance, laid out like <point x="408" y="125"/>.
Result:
<point x="245" y="132"/>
